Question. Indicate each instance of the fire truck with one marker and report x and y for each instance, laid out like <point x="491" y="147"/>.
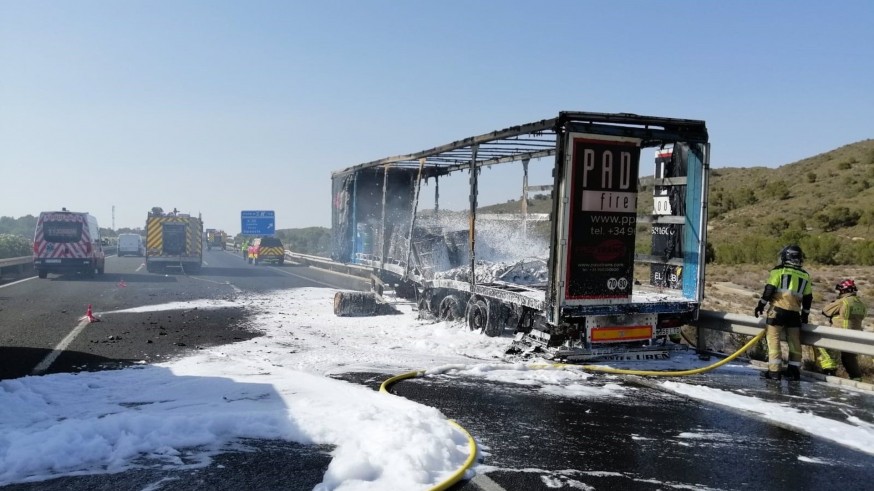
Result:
<point x="215" y="238"/>
<point x="617" y="276"/>
<point x="173" y="241"/>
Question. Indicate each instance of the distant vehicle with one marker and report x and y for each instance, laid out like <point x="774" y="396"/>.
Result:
<point x="173" y="240"/>
<point x="131" y="244"/>
<point x="67" y="241"/>
<point x="266" y="249"/>
<point x="215" y="238"/>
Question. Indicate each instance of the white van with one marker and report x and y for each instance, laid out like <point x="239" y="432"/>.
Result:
<point x="67" y="241"/>
<point x="131" y="244"/>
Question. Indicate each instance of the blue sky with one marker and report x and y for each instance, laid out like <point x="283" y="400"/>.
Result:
<point x="214" y="107"/>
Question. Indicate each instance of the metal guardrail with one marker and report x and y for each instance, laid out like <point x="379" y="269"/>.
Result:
<point x="15" y="261"/>
<point x="859" y="342"/>
<point x="364" y="272"/>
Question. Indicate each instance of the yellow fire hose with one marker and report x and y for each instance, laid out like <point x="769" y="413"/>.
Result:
<point x="471" y="444"/>
<point x="458" y="474"/>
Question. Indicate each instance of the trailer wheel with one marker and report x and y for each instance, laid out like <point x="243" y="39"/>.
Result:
<point x="477" y="315"/>
<point x="495" y="324"/>
<point x="423" y="302"/>
<point x="42" y="273"/>
<point x="450" y="309"/>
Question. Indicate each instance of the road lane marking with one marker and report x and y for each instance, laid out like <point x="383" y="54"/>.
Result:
<point x="18" y="281"/>
<point x="204" y="262"/>
<point x="48" y="360"/>
<point x="143" y="265"/>
<point x="486" y="483"/>
<point x="228" y="283"/>
<point x="317" y="281"/>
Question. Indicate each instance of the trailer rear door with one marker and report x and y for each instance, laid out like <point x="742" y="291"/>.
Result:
<point x="597" y="227"/>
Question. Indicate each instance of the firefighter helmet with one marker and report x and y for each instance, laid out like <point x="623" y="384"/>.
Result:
<point x="846" y="286"/>
<point x="791" y="254"/>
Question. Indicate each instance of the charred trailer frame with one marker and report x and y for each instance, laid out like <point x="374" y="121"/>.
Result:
<point x="591" y="306"/>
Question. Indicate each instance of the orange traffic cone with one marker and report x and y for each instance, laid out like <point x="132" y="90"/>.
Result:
<point x="122" y="284"/>
<point x="90" y="315"/>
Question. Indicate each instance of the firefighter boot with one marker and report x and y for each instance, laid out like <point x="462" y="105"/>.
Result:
<point x="793" y="373"/>
<point x="768" y="374"/>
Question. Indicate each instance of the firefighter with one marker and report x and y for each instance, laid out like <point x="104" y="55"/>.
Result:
<point x="788" y="294"/>
<point x="245" y="249"/>
<point x="850" y="311"/>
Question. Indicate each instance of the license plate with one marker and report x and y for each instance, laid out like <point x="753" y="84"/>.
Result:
<point x="52" y="261"/>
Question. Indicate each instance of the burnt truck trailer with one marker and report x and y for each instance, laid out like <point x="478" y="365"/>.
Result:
<point x="614" y="281"/>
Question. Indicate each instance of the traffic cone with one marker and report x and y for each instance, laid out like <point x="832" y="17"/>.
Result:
<point x="122" y="284"/>
<point x="90" y="315"/>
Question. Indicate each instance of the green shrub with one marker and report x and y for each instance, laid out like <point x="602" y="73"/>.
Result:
<point x="14" y="246"/>
<point x="778" y="189"/>
<point x="836" y="217"/>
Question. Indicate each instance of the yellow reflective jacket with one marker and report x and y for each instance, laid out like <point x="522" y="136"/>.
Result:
<point x="849" y="309"/>
<point x="790" y="286"/>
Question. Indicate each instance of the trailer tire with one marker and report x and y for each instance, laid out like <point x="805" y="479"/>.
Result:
<point x="495" y="324"/>
<point x="42" y="273"/>
<point x="450" y="309"/>
<point x="477" y="314"/>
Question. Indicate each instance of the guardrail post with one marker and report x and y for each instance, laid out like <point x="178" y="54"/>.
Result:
<point x="701" y="343"/>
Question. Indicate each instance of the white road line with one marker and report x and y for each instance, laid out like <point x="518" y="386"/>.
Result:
<point x="48" y="360"/>
<point x="204" y="262"/>
<point x="143" y="265"/>
<point x="18" y="281"/>
<point x="228" y="283"/>
<point x="486" y="483"/>
<point x="317" y="281"/>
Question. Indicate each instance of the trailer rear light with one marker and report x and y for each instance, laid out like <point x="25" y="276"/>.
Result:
<point x="621" y="334"/>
